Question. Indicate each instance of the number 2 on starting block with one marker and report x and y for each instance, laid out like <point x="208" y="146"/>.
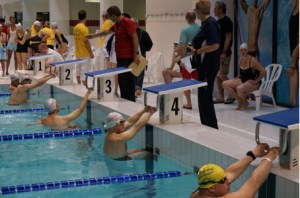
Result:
<point x="66" y="75"/>
<point x="105" y="87"/>
<point x="170" y="111"/>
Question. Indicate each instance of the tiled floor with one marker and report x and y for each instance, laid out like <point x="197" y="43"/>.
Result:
<point x="236" y="129"/>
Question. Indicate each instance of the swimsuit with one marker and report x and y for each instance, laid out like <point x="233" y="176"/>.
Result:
<point x="22" y="48"/>
<point x="35" y="42"/>
<point x="64" y="40"/>
<point x="120" y="157"/>
<point x="248" y="73"/>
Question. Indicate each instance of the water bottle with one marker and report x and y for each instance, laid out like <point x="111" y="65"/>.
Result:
<point x="4" y="47"/>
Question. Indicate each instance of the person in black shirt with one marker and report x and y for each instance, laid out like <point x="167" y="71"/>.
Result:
<point x="145" y="44"/>
<point x="207" y="46"/>
<point x="226" y="27"/>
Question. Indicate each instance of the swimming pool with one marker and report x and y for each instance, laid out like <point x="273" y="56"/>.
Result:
<point x="79" y="157"/>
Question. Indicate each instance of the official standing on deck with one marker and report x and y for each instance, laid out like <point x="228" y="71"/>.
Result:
<point x="126" y="48"/>
<point x="207" y="42"/>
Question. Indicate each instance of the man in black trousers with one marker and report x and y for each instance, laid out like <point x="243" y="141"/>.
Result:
<point x="126" y="48"/>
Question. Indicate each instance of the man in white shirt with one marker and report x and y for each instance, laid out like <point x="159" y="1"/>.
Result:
<point x="43" y="48"/>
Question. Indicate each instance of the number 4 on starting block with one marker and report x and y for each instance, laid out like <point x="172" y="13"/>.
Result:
<point x="169" y="99"/>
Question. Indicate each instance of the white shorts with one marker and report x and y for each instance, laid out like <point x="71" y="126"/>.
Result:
<point x="82" y="68"/>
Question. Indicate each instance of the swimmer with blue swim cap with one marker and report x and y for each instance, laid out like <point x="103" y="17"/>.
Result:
<point x="213" y="181"/>
<point x="116" y="137"/>
<point x="56" y="122"/>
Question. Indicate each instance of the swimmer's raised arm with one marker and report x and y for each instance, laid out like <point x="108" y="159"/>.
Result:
<point x="78" y="111"/>
<point x="37" y="83"/>
<point x="236" y="169"/>
<point x="103" y="33"/>
<point x="133" y="119"/>
<point x="128" y="135"/>
<point x="257" y="178"/>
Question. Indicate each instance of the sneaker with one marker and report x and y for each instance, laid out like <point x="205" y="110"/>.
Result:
<point x="116" y="94"/>
<point x="4" y="75"/>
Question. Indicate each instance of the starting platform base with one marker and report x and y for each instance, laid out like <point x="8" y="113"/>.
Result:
<point x="170" y="108"/>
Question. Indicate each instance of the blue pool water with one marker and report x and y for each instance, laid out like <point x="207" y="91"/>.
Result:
<point x="77" y="157"/>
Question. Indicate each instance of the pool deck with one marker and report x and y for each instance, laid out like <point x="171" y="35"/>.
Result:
<point x="236" y="129"/>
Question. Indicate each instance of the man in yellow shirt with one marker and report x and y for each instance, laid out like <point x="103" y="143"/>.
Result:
<point x="107" y="24"/>
<point x="83" y="48"/>
<point x="49" y="40"/>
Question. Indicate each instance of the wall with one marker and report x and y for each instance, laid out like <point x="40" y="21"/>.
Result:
<point x="42" y="6"/>
<point x="92" y="9"/>
<point x="136" y="9"/>
<point x="165" y="30"/>
<point x="10" y="9"/>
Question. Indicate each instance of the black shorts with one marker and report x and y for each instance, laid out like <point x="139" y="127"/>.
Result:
<point x="22" y="48"/>
<point x="51" y="46"/>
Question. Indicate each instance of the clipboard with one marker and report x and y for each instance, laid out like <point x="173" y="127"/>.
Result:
<point x="137" y="69"/>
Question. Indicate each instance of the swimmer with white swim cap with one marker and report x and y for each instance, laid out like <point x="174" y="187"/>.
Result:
<point x="116" y="138"/>
<point x="56" y="122"/>
<point x="14" y="82"/>
<point x="20" y="95"/>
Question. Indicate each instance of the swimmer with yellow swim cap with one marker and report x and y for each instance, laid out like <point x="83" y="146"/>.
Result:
<point x="215" y="182"/>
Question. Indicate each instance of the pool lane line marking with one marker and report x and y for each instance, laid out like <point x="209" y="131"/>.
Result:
<point x="88" y="182"/>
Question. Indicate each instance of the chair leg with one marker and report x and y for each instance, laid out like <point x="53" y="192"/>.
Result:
<point x="274" y="103"/>
<point x="258" y="100"/>
<point x="153" y="78"/>
<point x="148" y="78"/>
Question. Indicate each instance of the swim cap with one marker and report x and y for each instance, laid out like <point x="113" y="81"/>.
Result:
<point x="19" y="26"/>
<point x="209" y="175"/>
<point x="50" y="105"/>
<point x="24" y="77"/>
<point x="112" y="119"/>
<point x="54" y="24"/>
<point x="27" y="29"/>
<point x="37" y="23"/>
<point x="14" y="77"/>
<point x="244" y="46"/>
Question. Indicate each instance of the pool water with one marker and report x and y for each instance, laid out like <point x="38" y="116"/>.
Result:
<point x="78" y="157"/>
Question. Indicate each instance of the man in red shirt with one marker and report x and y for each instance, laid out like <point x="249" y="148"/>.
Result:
<point x="126" y="47"/>
<point x="5" y="27"/>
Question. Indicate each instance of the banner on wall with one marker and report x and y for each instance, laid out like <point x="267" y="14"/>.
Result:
<point x="287" y="41"/>
<point x="255" y="19"/>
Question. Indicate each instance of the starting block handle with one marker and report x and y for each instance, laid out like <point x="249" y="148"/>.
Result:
<point x="54" y="75"/>
<point x="86" y="83"/>
<point x="283" y="148"/>
<point x="157" y="100"/>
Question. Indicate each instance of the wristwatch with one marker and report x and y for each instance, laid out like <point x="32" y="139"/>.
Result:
<point x="136" y="53"/>
<point x="224" y="52"/>
<point x="250" y="153"/>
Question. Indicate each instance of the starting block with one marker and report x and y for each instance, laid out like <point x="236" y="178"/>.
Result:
<point x="39" y="63"/>
<point x="288" y="123"/>
<point x="105" y="81"/>
<point x="65" y="70"/>
<point x="169" y="99"/>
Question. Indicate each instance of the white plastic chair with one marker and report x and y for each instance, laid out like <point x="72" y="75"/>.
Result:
<point x="273" y="73"/>
<point x="152" y="61"/>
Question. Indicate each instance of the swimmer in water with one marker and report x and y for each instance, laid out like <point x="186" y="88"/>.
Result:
<point x="20" y="95"/>
<point x="56" y="122"/>
<point x="116" y="138"/>
<point x="14" y="78"/>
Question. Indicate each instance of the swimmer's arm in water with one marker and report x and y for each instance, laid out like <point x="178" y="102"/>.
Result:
<point x="103" y="33"/>
<point x="244" y="5"/>
<point x="37" y="83"/>
<point x="133" y="119"/>
<point x="128" y="135"/>
<point x="78" y="111"/>
<point x="38" y="122"/>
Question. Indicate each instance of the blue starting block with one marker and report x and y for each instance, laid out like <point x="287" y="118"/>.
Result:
<point x="105" y="81"/>
<point x="288" y="123"/>
<point x="169" y="99"/>
<point x="65" y="70"/>
<point x="39" y="63"/>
